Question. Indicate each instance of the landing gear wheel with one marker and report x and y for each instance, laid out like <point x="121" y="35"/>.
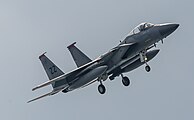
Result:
<point x="125" y="81"/>
<point x="101" y="89"/>
<point x="111" y="78"/>
<point x="147" y="68"/>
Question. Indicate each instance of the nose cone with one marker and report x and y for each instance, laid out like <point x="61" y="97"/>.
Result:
<point x="167" y="29"/>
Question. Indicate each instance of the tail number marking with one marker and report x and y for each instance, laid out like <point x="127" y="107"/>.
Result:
<point x="53" y="69"/>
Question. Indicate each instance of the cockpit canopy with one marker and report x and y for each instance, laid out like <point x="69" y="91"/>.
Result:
<point x="141" y="27"/>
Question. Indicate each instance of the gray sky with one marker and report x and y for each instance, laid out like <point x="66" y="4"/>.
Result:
<point x="31" y="27"/>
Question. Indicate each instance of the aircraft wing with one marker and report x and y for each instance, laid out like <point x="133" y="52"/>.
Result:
<point x="124" y="45"/>
<point x="116" y="53"/>
<point x="48" y="94"/>
<point x="74" y="72"/>
<point x="114" y="50"/>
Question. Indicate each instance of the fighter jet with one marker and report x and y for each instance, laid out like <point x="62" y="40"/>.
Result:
<point x="136" y="49"/>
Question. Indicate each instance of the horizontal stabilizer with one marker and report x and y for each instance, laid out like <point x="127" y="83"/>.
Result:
<point x="42" y="85"/>
<point x="48" y="94"/>
<point x="49" y="82"/>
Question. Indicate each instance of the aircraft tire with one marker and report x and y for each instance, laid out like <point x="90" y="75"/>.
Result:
<point x="111" y="78"/>
<point x="101" y="89"/>
<point x="147" y="68"/>
<point x="126" y="81"/>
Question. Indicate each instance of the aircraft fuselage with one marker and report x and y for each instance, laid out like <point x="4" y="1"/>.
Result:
<point x="131" y="53"/>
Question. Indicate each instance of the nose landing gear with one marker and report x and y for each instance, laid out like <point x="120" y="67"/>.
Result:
<point x="144" y="59"/>
<point x="147" y="68"/>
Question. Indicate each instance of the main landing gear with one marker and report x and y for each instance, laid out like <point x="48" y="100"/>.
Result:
<point x="101" y="88"/>
<point x="125" y="80"/>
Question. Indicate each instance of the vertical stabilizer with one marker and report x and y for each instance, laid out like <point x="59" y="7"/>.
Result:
<point x="78" y="56"/>
<point x="51" y="69"/>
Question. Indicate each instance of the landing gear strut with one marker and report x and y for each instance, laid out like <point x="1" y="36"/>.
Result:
<point x="144" y="59"/>
<point x="125" y="80"/>
<point x="101" y="88"/>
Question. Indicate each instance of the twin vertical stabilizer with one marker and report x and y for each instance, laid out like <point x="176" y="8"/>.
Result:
<point x="51" y="69"/>
<point x="78" y="56"/>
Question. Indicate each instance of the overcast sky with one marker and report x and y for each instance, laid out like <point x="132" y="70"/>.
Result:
<point x="30" y="27"/>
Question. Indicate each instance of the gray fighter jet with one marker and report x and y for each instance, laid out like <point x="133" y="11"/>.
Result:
<point x="135" y="50"/>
